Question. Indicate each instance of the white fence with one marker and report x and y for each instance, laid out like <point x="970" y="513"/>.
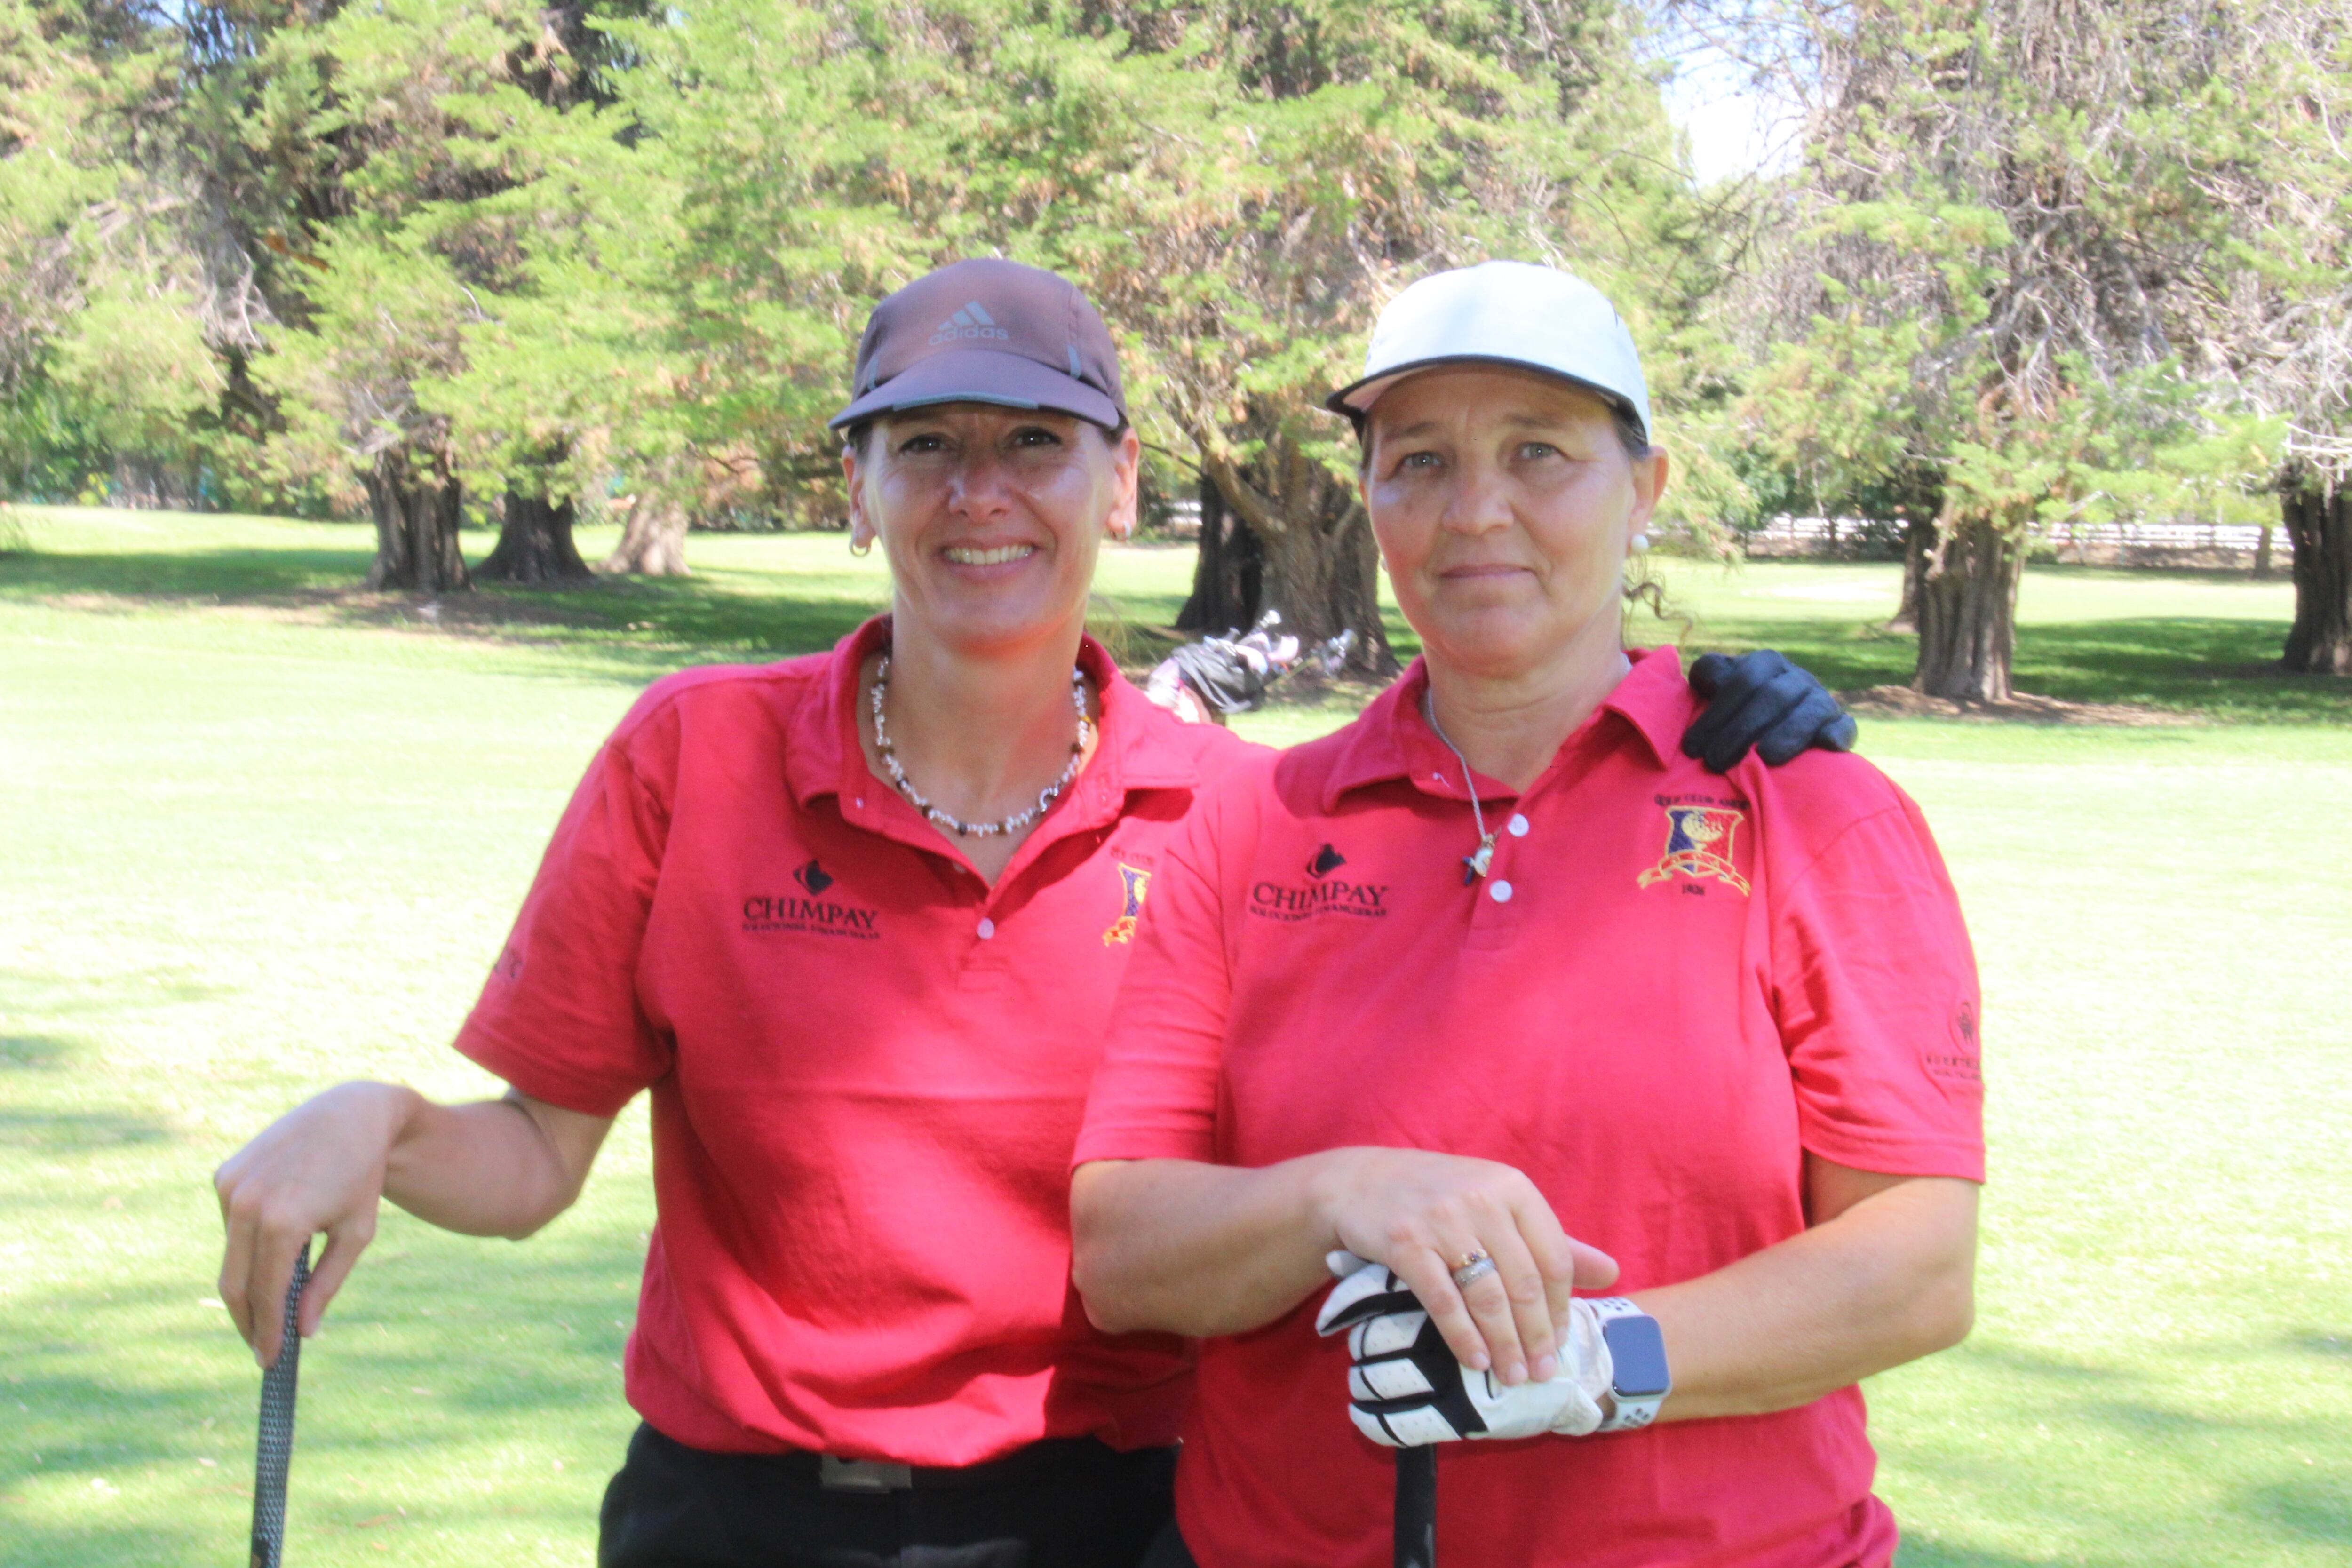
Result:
<point x="2123" y="543"/>
<point x="2102" y="543"/>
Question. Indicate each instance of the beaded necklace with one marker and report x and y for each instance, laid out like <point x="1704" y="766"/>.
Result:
<point x="1019" y="819"/>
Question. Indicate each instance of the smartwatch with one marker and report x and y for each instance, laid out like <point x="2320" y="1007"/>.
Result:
<point x="1639" y="1382"/>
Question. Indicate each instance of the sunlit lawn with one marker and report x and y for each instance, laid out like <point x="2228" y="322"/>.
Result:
<point x="261" y="835"/>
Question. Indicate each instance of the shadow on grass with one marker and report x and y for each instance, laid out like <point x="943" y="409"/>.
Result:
<point x="2215" y="668"/>
<point x="231" y="576"/>
<point x="1916" y="1554"/>
<point x="2319" y="1509"/>
<point x="2224" y="669"/>
<point x="638" y="627"/>
<point x="35" y="1545"/>
<point x="104" y="995"/>
<point x="76" y="1131"/>
<point x="34" y="1053"/>
<point x="649" y="625"/>
<point x="1844" y="655"/>
<point x="2139" y="1445"/>
<point x="448" y="1361"/>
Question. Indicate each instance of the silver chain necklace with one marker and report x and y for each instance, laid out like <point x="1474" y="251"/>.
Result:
<point x="1019" y="819"/>
<point x="1481" y="859"/>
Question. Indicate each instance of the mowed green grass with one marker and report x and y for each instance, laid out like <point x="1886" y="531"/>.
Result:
<point x="260" y="834"/>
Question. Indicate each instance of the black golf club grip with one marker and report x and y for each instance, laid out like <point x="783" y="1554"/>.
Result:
<point x="276" y="1448"/>
<point x="1416" y="1508"/>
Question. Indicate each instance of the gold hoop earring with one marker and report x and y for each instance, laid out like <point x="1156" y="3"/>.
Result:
<point x="860" y="548"/>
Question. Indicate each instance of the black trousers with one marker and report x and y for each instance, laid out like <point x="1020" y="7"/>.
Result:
<point x="1169" y="1551"/>
<point x="1067" y="1504"/>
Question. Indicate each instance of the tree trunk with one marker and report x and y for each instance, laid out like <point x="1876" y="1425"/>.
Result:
<point x="1324" y="576"/>
<point x="653" y="540"/>
<point x="2262" y="553"/>
<point x="1918" y="545"/>
<point x="416" y="510"/>
<point x="1228" y="581"/>
<point x="2319" y="520"/>
<point x="1967" y="610"/>
<point x="1316" y="561"/>
<point x="535" y="544"/>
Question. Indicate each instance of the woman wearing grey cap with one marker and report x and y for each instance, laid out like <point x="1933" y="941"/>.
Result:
<point x="1495" y="997"/>
<point x="855" y="921"/>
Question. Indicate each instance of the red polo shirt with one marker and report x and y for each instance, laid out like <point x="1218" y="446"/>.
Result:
<point x="867" y="1066"/>
<point x="1671" y="985"/>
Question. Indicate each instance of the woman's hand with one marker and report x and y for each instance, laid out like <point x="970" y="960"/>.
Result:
<point x="318" y="1167"/>
<point x="1422" y="1214"/>
<point x="497" y="1167"/>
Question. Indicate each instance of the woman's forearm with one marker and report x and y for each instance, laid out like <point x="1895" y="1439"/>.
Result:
<point x="496" y="1167"/>
<point x="1188" y="1248"/>
<point x="1887" y="1281"/>
<point x="502" y="1168"/>
<point x="1203" y="1249"/>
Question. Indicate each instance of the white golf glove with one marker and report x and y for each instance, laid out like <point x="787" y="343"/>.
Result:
<point x="1405" y="1390"/>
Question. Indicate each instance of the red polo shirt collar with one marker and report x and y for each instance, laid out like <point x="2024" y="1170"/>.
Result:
<point x="823" y="756"/>
<point x="1395" y="740"/>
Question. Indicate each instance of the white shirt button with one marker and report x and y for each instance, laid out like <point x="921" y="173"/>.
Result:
<point x="987" y="928"/>
<point x="1518" y="825"/>
<point x="1500" y="892"/>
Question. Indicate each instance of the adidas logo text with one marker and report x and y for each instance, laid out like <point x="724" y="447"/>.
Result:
<point x="970" y="323"/>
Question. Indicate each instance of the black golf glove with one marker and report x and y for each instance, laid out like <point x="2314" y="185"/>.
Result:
<point x="1761" y="702"/>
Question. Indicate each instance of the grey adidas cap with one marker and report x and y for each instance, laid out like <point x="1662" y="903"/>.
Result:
<point x="987" y="331"/>
<point x="1508" y="313"/>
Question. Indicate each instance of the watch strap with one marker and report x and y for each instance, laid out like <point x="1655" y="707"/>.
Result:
<point x="1626" y="1413"/>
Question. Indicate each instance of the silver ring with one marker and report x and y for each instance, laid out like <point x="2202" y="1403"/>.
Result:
<point x="1475" y="1267"/>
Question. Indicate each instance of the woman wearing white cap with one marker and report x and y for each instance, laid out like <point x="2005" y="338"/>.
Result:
<point x="854" y="922"/>
<point x="1495" y="997"/>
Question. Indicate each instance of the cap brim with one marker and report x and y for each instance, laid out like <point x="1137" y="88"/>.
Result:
<point x="983" y="376"/>
<point x="1356" y="399"/>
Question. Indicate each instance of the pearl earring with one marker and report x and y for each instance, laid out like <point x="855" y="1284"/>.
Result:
<point x="1640" y="542"/>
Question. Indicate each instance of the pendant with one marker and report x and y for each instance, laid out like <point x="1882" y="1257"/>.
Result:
<point x="1480" y="862"/>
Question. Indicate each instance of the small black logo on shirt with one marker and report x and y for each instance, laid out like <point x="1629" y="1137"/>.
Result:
<point x="1960" y="1064"/>
<point x="1320" y="894"/>
<point x="816" y="914"/>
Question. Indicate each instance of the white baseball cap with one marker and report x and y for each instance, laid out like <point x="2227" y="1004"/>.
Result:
<point x="1503" y="312"/>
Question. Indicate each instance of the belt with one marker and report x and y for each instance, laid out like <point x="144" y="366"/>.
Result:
<point x="1055" y="1456"/>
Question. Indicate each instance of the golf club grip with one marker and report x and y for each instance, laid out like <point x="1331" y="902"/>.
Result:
<point x="1416" y="1508"/>
<point x="275" y="1449"/>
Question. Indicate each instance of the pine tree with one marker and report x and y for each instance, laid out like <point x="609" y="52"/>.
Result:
<point x="1997" y="208"/>
<point x="111" y="311"/>
<point x="1238" y="188"/>
<point x="2269" y="312"/>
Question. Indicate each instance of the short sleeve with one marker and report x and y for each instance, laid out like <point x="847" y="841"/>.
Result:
<point x="559" y="1017"/>
<point x="1155" y="1095"/>
<point x="1875" y="987"/>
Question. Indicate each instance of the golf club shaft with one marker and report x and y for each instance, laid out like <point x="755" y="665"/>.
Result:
<point x="275" y="1450"/>
<point x="1416" y="1508"/>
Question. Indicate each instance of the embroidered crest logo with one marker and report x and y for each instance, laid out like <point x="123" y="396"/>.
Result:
<point x="1698" y="844"/>
<point x="1137" y="883"/>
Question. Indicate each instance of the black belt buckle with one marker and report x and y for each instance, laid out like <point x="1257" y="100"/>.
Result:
<point x="838" y="1475"/>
